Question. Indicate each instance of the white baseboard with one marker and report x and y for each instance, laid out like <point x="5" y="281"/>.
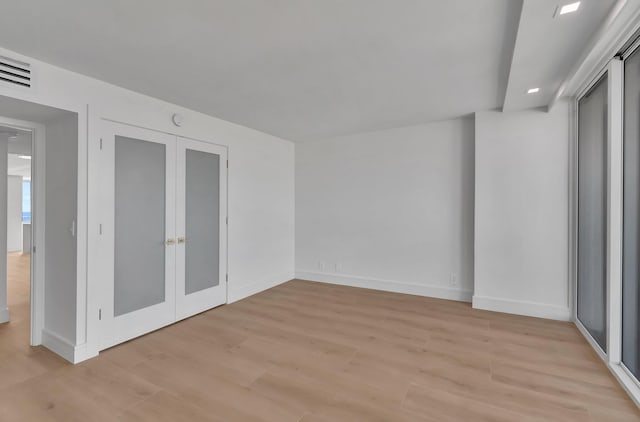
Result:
<point x="239" y="293"/>
<point x="65" y="348"/>
<point x="533" y="309"/>
<point x="387" y="286"/>
<point x="4" y="315"/>
<point x="82" y="353"/>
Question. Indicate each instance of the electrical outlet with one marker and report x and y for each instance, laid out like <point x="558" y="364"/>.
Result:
<point x="453" y="280"/>
<point x="338" y="267"/>
<point x="321" y="265"/>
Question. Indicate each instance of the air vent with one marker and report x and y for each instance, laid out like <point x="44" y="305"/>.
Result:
<point x="15" y="72"/>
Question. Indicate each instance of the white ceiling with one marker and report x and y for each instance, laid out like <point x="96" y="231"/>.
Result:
<point x="308" y="69"/>
<point x="19" y="144"/>
<point x="19" y="141"/>
<point x="18" y="166"/>
<point x="547" y="47"/>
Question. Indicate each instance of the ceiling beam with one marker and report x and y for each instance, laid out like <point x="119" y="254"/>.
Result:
<point x="512" y="51"/>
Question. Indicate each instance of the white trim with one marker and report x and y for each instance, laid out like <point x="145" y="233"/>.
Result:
<point x="242" y="292"/>
<point x="59" y="345"/>
<point x="387" y="285"/>
<point x="614" y="210"/>
<point x="573" y="208"/>
<point x="518" y="307"/>
<point x="83" y="352"/>
<point x="94" y="198"/>
<point x="4" y="315"/>
<point x="65" y="348"/>
<point x="81" y="234"/>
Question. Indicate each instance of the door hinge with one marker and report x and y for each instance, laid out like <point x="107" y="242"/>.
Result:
<point x="100" y="144"/>
<point x="100" y="229"/>
<point x="100" y="314"/>
<point x="227" y="277"/>
<point x="227" y="221"/>
<point x="34" y="249"/>
<point x="227" y="163"/>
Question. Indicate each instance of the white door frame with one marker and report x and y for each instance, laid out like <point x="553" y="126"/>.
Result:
<point x="38" y="213"/>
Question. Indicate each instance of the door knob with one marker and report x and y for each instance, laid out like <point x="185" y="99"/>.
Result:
<point x="181" y="240"/>
<point x="171" y="242"/>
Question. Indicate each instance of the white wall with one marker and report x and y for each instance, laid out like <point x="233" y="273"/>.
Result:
<point x="392" y="209"/>
<point x="14" y="213"/>
<point x="261" y="216"/>
<point x="521" y="212"/>
<point x="261" y="187"/>
<point x="61" y="156"/>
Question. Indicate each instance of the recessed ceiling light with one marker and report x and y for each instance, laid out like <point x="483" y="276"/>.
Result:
<point x="533" y="90"/>
<point x="569" y="8"/>
<point x="25" y="157"/>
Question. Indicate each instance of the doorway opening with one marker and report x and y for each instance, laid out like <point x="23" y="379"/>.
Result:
<point x="16" y="150"/>
<point x="38" y="209"/>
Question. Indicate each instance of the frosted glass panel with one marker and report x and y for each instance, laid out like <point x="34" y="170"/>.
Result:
<point x="202" y="221"/>
<point x="631" y="235"/>
<point x="139" y="224"/>
<point x="592" y="167"/>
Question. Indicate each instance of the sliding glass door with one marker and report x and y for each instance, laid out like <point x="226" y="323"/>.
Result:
<point x="592" y="214"/>
<point x="631" y="214"/>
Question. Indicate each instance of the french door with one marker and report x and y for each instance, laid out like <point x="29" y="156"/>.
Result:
<point x="164" y="230"/>
<point x="201" y="226"/>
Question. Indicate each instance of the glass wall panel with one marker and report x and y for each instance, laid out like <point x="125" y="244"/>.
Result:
<point x="592" y="215"/>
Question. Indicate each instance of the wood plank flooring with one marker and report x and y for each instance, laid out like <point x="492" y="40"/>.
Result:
<point x="311" y="352"/>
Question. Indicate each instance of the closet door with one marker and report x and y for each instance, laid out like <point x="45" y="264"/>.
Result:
<point x="138" y="231"/>
<point x="201" y="261"/>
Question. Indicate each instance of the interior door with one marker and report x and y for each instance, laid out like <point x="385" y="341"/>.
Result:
<point x="201" y="227"/>
<point x="138" y="229"/>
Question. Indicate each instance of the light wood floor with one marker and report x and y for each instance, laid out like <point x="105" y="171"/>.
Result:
<point x="311" y="352"/>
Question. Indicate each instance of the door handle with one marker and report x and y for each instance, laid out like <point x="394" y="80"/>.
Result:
<point x="181" y="240"/>
<point x="171" y="242"/>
